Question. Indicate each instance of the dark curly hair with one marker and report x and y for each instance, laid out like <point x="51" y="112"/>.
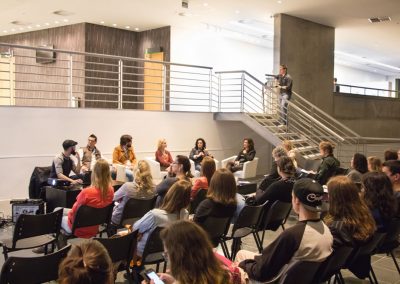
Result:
<point x="202" y="140"/>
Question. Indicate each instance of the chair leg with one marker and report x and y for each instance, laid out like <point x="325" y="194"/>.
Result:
<point x="235" y="243"/>
<point x="395" y="261"/>
<point x="225" y="249"/>
<point x="165" y="267"/>
<point x="5" y="252"/>
<point x="341" y="279"/>
<point x="158" y="267"/>
<point x="372" y="272"/>
<point x="258" y="241"/>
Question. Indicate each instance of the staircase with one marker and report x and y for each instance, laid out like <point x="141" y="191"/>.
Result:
<point x="244" y="98"/>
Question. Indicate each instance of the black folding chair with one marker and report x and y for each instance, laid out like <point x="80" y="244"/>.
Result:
<point x="296" y="272"/>
<point x="332" y="265"/>
<point x="87" y="216"/>
<point x="273" y="218"/>
<point x="391" y="241"/>
<point x="135" y="209"/>
<point x="200" y="196"/>
<point x="32" y="270"/>
<point x="121" y="249"/>
<point x="365" y="251"/>
<point x="245" y="225"/>
<point x="216" y="228"/>
<point x="33" y="231"/>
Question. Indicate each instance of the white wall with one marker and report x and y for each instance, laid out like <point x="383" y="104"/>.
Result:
<point x="209" y="48"/>
<point x="356" y="77"/>
<point x="33" y="136"/>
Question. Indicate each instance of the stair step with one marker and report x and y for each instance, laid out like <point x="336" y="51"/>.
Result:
<point x="307" y="148"/>
<point x="312" y="156"/>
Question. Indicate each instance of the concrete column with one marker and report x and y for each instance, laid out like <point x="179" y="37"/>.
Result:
<point x="307" y="49"/>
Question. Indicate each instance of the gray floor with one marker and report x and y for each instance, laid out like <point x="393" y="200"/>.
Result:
<point x="383" y="265"/>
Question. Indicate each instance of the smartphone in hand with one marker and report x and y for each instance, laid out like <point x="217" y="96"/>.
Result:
<point x="150" y="274"/>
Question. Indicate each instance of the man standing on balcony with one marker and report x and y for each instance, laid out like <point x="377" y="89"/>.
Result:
<point x="285" y="83"/>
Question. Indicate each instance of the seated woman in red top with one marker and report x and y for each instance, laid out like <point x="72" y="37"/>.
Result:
<point x="207" y="170"/>
<point x="162" y="155"/>
<point x="99" y="195"/>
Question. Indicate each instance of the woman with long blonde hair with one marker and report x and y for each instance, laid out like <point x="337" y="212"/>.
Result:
<point x="163" y="156"/>
<point x="141" y="188"/>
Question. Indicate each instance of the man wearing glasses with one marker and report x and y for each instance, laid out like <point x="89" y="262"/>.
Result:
<point x="90" y="154"/>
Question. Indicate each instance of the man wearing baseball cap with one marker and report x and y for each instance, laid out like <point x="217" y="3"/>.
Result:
<point x="63" y="164"/>
<point x="309" y="240"/>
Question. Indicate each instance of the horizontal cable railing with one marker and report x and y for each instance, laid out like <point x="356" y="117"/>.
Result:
<point x="366" y="91"/>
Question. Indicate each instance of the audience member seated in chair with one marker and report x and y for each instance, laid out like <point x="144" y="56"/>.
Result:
<point x="124" y="155"/>
<point x="63" y="165"/>
<point x="277" y="153"/>
<point x="358" y="167"/>
<point x="329" y="164"/>
<point x="207" y="170"/>
<point x="392" y="170"/>
<point x="141" y="187"/>
<point x="87" y="263"/>
<point x="221" y="199"/>
<point x="290" y="151"/>
<point x="279" y="190"/>
<point x="308" y="240"/>
<point x="99" y="195"/>
<point x="390" y="154"/>
<point x="179" y="170"/>
<point x="188" y="265"/>
<point x="198" y="153"/>
<point x="374" y="164"/>
<point x="349" y="219"/>
<point x="174" y="207"/>
<point x="246" y="154"/>
<point x="163" y="156"/>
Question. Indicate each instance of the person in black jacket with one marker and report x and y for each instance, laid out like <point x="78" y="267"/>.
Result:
<point x="329" y="165"/>
<point x="246" y="154"/>
<point x="273" y="175"/>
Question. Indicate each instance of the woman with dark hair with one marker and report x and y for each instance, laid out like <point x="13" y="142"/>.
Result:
<point x="390" y="154"/>
<point x="359" y="166"/>
<point x="198" y="153"/>
<point x="379" y="195"/>
<point x="190" y="265"/>
<point x="246" y="154"/>
<point x="173" y="208"/>
<point x="86" y="263"/>
<point x="207" y="171"/>
<point x="179" y="170"/>
<point x="282" y="189"/>
<point x="221" y="197"/>
<point x="349" y="217"/>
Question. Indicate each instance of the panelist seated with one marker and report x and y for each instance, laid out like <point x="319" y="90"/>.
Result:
<point x="124" y="155"/>
<point x="198" y="153"/>
<point x="163" y="156"/>
<point x="63" y="165"/>
<point x="246" y="154"/>
<point x="89" y="154"/>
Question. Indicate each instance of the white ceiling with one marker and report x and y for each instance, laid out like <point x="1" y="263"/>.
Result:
<point x="372" y="47"/>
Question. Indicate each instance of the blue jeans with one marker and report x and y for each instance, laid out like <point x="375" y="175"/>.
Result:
<point x="283" y="104"/>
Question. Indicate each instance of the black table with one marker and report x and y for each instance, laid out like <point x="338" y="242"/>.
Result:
<point x="57" y="197"/>
<point x="246" y="188"/>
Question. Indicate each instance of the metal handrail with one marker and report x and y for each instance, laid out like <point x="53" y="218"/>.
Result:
<point x="366" y="88"/>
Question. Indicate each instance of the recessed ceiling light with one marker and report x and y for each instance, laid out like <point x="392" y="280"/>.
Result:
<point x="5" y="32"/>
<point x="56" y="22"/>
<point x="136" y="29"/>
<point x="65" y="20"/>
<point x="114" y="25"/>
<point x="47" y="24"/>
<point x="29" y="27"/>
<point x="127" y="27"/>
<point x="21" y="29"/>
<point x="38" y="25"/>
<point x="237" y="12"/>
<point x="102" y="22"/>
<point x="13" y="30"/>
<point x="279" y="2"/>
<point x="205" y="4"/>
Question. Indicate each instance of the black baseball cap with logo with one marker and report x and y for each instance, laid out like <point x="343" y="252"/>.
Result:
<point x="310" y="194"/>
<point x="69" y="143"/>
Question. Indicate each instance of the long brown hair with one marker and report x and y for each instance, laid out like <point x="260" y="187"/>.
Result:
<point x="189" y="265"/>
<point x="86" y="263"/>
<point x="101" y="177"/>
<point x="379" y="194"/>
<point x="208" y="168"/>
<point x="222" y="187"/>
<point x="177" y="197"/>
<point x="346" y="205"/>
<point x="375" y="164"/>
<point x="143" y="177"/>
